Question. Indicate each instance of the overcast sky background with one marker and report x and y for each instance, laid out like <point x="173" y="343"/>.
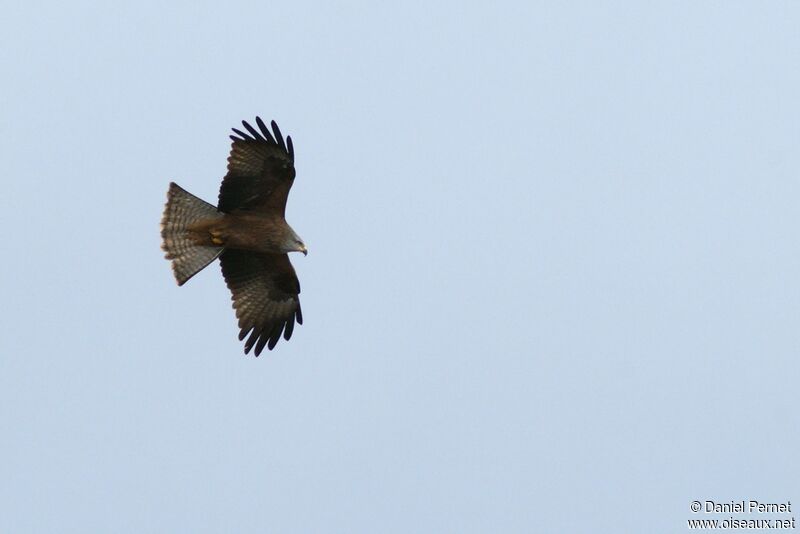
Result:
<point x="552" y="282"/>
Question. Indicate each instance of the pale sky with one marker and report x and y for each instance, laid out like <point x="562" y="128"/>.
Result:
<point x="552" y="281"/>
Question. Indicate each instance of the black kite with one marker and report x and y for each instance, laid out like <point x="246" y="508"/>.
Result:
<point x="247" y="231"/>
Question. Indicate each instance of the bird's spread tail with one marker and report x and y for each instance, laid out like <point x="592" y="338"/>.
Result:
<point x="182" y="210"/>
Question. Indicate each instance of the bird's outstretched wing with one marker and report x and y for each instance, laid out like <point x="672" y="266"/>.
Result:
<point x="260" y="170"/>
<point x="265" y="295"/>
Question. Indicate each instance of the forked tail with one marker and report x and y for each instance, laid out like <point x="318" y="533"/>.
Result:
<point x="182" y="210"/>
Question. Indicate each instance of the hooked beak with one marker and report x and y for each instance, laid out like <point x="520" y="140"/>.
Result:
<point x="304" y="250"/>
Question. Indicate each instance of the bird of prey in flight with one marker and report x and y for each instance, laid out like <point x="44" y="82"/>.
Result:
<point x="247" y="231"/>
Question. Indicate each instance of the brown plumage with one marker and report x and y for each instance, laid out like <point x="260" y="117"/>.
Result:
<point x="247" y="231"/>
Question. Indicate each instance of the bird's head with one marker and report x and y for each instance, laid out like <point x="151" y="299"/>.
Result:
<point x="293" y="243"/>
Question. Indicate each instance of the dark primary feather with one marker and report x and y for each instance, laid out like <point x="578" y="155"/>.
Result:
<point x="265" y="295"/>
<point x="263" y="128"/>
<point x="260" y="170"/>
<point x="278" y="135"/>
<point x="253" y="131"/>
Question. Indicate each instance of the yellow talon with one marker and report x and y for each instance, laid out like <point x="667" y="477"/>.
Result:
<point x="216" y="237"/>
